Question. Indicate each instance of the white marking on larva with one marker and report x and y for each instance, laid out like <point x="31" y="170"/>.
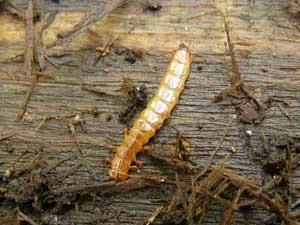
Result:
<point x="146" y="126"/>
<point x="159" y="106"/>
<point x="166" y="94"/>
<point x="178" y="69"/>
<point x="172" y="81"/>
<point x="181" y="56"/>
<point x="173" y="65"/>
<point x="122" y="154"/>
<point x="151" y="116"/>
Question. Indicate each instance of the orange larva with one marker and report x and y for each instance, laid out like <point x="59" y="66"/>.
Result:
<point x="152" y="118"/>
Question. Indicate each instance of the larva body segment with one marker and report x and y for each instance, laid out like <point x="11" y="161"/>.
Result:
<point x="152" y="118"/>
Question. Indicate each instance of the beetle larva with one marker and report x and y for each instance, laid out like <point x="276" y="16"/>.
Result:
<point x="152" y="118"/>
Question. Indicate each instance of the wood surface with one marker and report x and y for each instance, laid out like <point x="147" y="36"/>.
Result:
<point x="266" y="40"/>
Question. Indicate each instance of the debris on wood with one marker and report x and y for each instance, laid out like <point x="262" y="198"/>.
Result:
<point x="6" y="136"/>
<point x="190" y="202"/>
<point x="252" y="108"/>
<point x="169" y="156"/>
<point x="104" y="44"/>
<point x="72" y="119"/>
<point x="130" y="57"/>
<point x="91" y="18"/>
<point x="77" y="119"/>
<point x="151" y="5"/>
<point x="31" y="185"/>
<point x="278" y="165"/>
<point x="137" y="100"/>
<point x="90" y="88"/>
<point x="69" y="117"/>
<point x="56" y="1"/>
<point x="248" y="110"/>
<point x="201" y="14"/>
<point x="29" y="35"/>
<point x="138" y="52"/>
<point x="26" y="100"/>
<point x="284" y="112"/>
<point x="131" y="54"/>
<point x="13" y="8"/>
<point x="183" y="146"/>
<point x="294" y="7"/>
<point x="217" y="148"/>
<point x="104" y="50"/>
<point x="154" y="215"/>
<point x="228" y="214"/>
<point x="33" y="53"/>
<point x="23" y="217"/>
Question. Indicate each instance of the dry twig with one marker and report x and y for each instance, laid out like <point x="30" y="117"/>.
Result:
<point x="251" y="110"/>
<point x="29" y="35"/>
<point x="91" y="18"/>
<point x="26" y="218"/>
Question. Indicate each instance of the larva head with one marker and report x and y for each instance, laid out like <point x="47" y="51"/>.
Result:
<point x="119" y="169"/>
<point x="183" y="55"/>
<point x="118" y="175"/>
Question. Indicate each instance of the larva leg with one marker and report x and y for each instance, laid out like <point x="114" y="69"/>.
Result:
<point x="139" y="164"/>
<point x="147" y="148"/>
<point x="126" y="131"/>
<point x="108" y="160"/>
<point x="112" y="148"/>
<point x="133" y="168"/>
